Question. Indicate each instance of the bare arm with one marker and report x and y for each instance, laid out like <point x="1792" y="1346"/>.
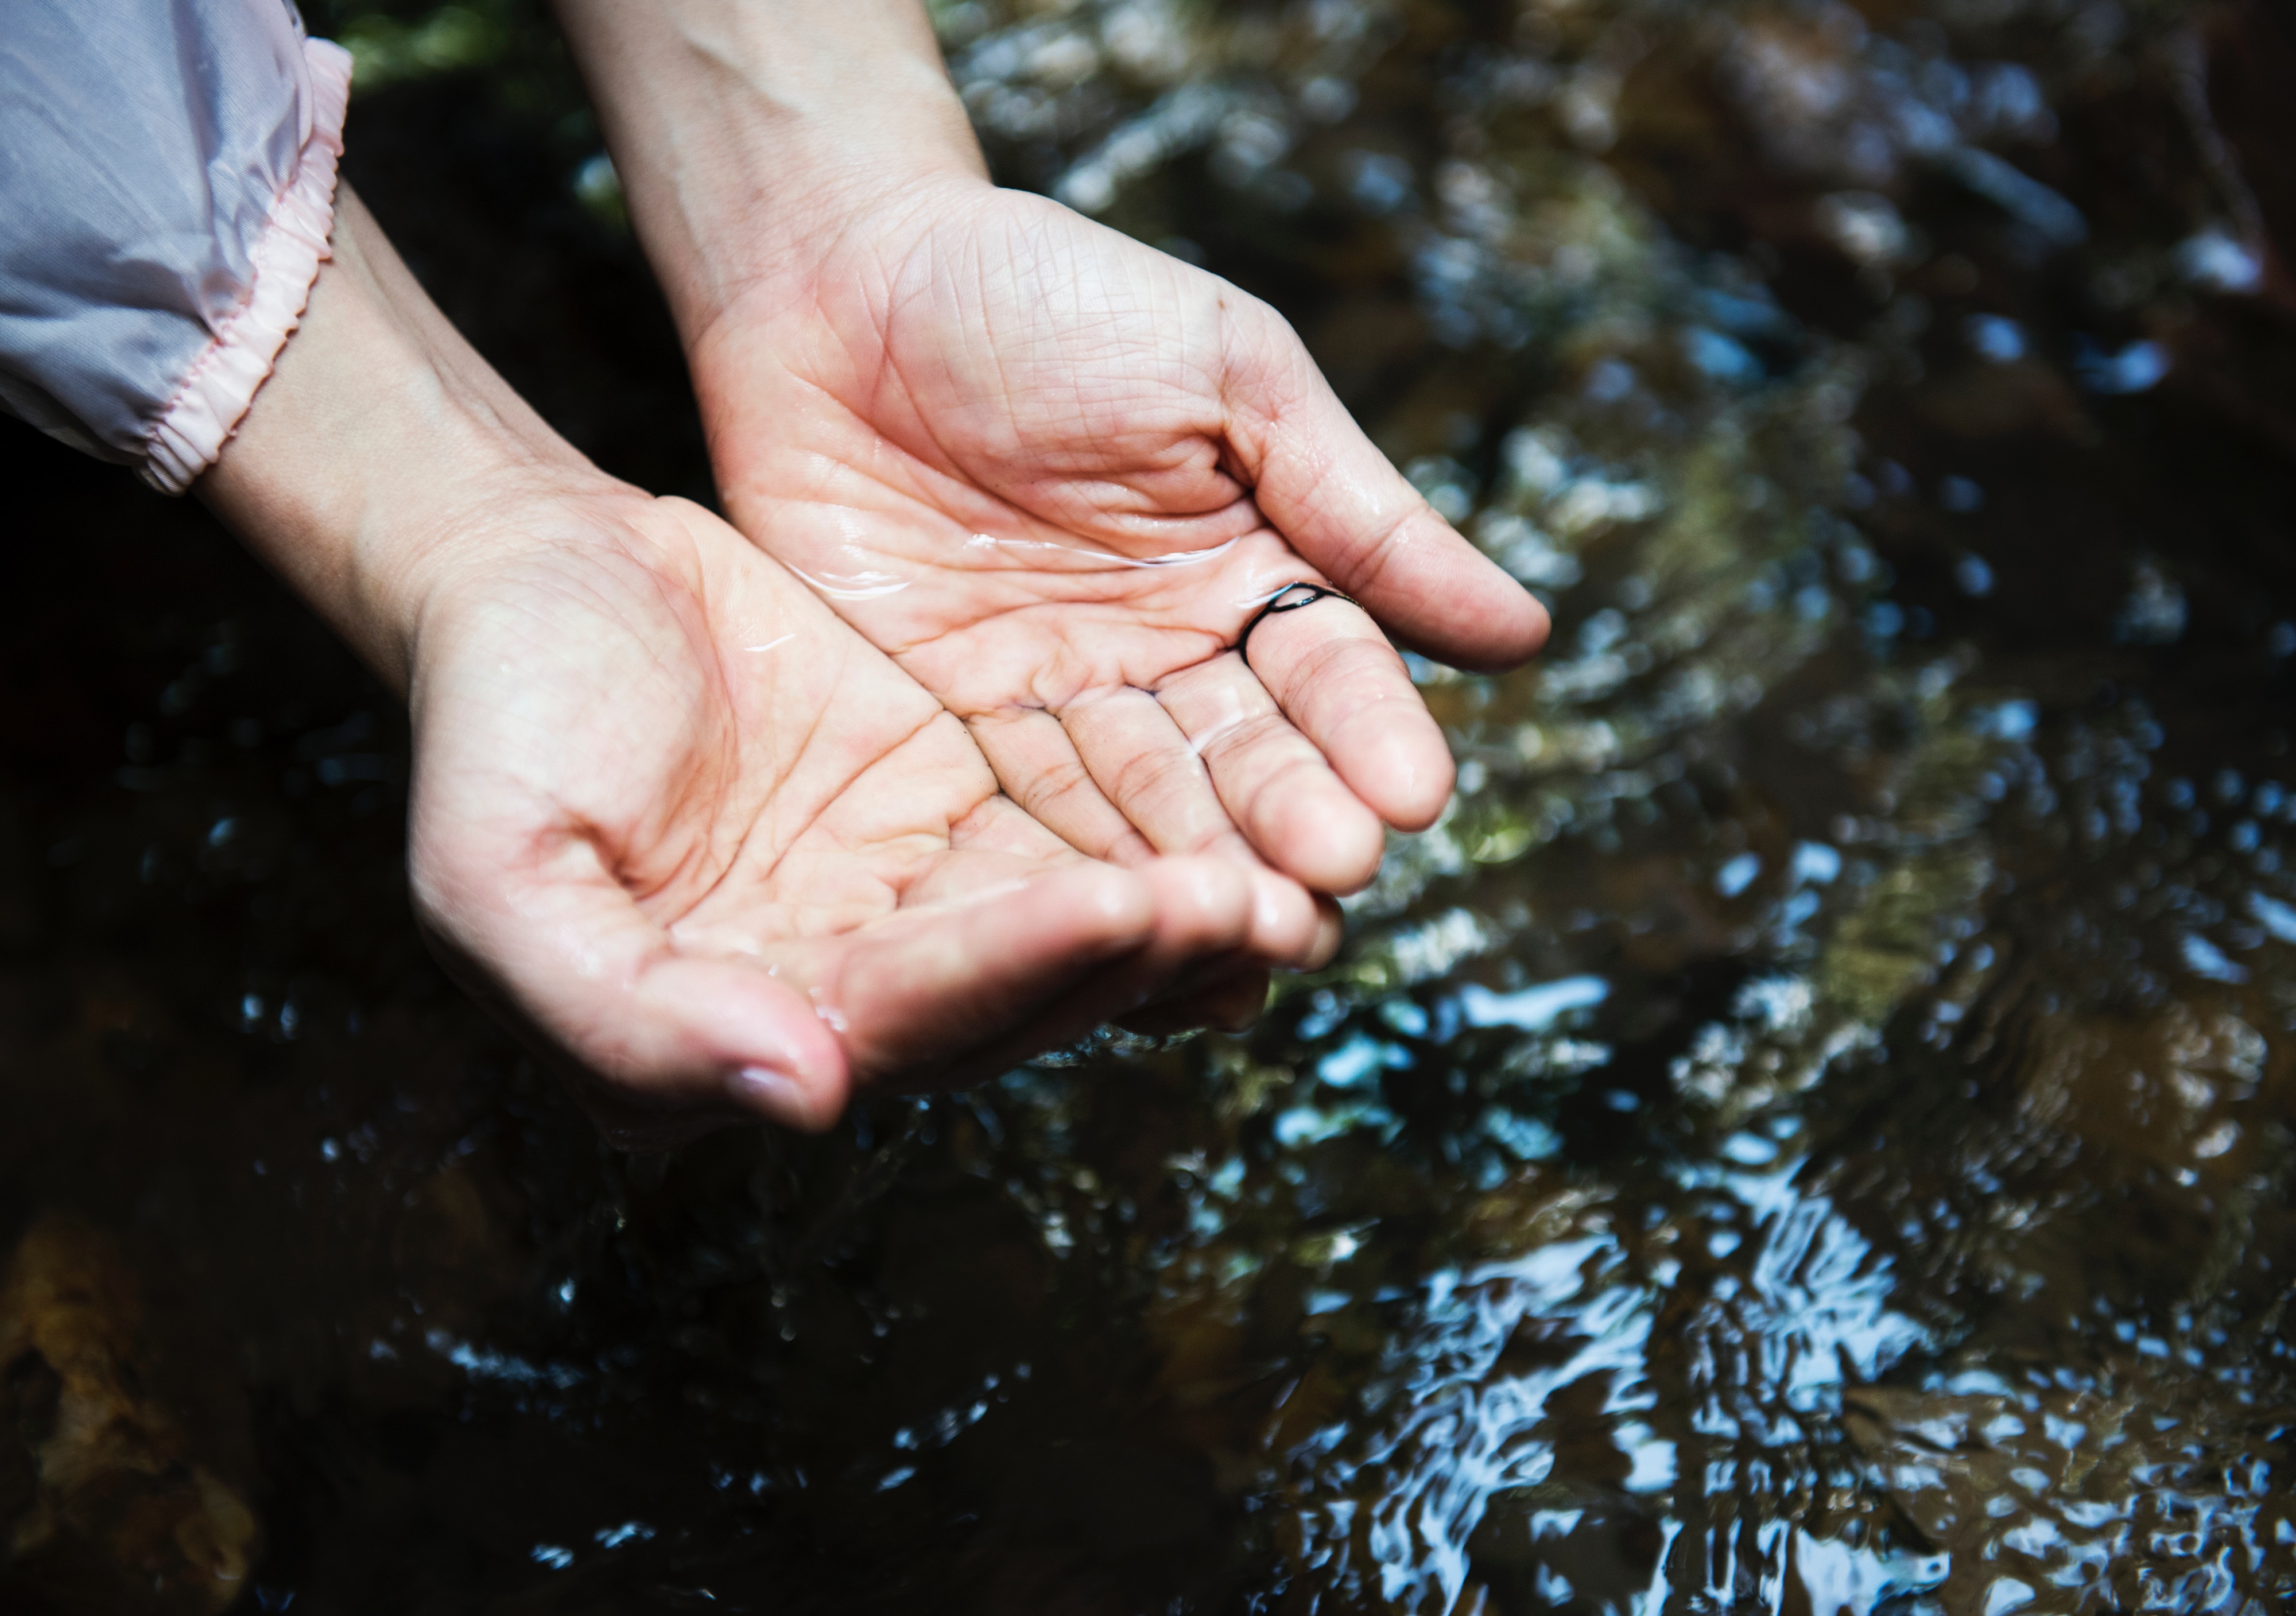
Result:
<point x="744" y="130"/>
<point x="356" y="474"/>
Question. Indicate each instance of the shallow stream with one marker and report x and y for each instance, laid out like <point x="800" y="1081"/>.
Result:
<point x="1810" y="1131"/>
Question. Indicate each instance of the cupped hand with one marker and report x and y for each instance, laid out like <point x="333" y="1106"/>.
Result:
<point x="673" y="816"/>
<point x="1053" y="473"/>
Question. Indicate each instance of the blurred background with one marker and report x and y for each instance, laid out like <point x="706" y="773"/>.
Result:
<point x="1808" y="1132"/>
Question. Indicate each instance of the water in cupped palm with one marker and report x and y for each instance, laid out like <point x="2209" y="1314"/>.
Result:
<point x="1808" y="1131"/>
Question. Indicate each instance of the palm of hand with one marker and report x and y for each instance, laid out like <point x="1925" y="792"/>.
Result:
<point x="1053" y="474"/>
<point x="698" y="828"/>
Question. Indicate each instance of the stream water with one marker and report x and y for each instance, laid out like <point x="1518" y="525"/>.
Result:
<point x="1808" y="1132"/>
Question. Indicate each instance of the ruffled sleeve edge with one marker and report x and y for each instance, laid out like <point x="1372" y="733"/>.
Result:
<point x="222" y="381"/>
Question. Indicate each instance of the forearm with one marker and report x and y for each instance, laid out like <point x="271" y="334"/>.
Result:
<point x="377" y="436"/>
<point x="742" y="129"/>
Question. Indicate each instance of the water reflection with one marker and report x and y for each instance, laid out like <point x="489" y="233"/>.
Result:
<point x="1807" y="1131"/>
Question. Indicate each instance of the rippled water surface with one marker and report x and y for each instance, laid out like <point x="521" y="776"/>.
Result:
<point x="1808" y="1132"/>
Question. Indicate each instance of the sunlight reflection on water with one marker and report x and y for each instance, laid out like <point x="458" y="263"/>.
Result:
<point x="1809" y="1130"/>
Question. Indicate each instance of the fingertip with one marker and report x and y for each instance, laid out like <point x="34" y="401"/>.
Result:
<point x="1284" y="918"/>
<point x="809" y="1105"/>
<point x="1235" y="1006"/>
<point x="1330" y="840"/>
<point x="1411" y="781"/>
<point x="1232" y="1006"/>
<point x="1540" y="624"/>
<point x="1521" y="624"/>
<point x="1331" y="931"/>
<point x="1507" y="625"/>
<point x="774" y="1056"/>
<point x="1205" y="903"/>
<point x="1441" y="596"/>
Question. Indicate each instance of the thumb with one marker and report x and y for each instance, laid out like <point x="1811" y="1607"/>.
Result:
<point x="662" y="1045"/>
<point x="1351" y="515"/>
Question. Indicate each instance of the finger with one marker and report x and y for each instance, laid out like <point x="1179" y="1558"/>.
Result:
<point x="1337" y="679"/>
<point x="998" y="844"/>
<point x="1037" y="764"/>
<point x="1231" y="1007"/>
<point x="1238" y="1006"/>
<point x="1202" y="909"/>
<point x="663" y="1044"/>
<point x="915" y="995"/>
<point x="1342" y="505"/>
<point x="1151" y="772"/>
<point x="1145" y="767"/>
<point x="1330" y="931"/>
<point x="1288" y="922"/>
<point x="1201" y="914"/>
<point x="1274" y="781"/>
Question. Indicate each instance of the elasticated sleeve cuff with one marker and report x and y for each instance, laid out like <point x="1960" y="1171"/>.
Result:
<point x="282" y="264"/>
<point x="166" y="189"/>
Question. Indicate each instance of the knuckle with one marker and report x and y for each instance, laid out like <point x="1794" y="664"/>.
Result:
<point x="1156" y="776"/>
<point x="1254" y="740"/>
<point x="1274" y="795"/>
<point x="1323" y="675"/>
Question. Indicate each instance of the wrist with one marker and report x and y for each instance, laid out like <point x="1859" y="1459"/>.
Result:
<point x="750" y="133"/>
<point x="365" y="468"/>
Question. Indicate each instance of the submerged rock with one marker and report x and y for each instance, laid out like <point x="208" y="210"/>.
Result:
<point x="104" y="1507"/>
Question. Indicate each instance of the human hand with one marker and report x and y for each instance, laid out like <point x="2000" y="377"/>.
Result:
<point x="722" y="851"/>
<point x="1053" y="473"/>
<point x="670" y="814"/>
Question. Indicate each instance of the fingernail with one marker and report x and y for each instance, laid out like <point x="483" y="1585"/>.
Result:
<point x="763" y="1088"/>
